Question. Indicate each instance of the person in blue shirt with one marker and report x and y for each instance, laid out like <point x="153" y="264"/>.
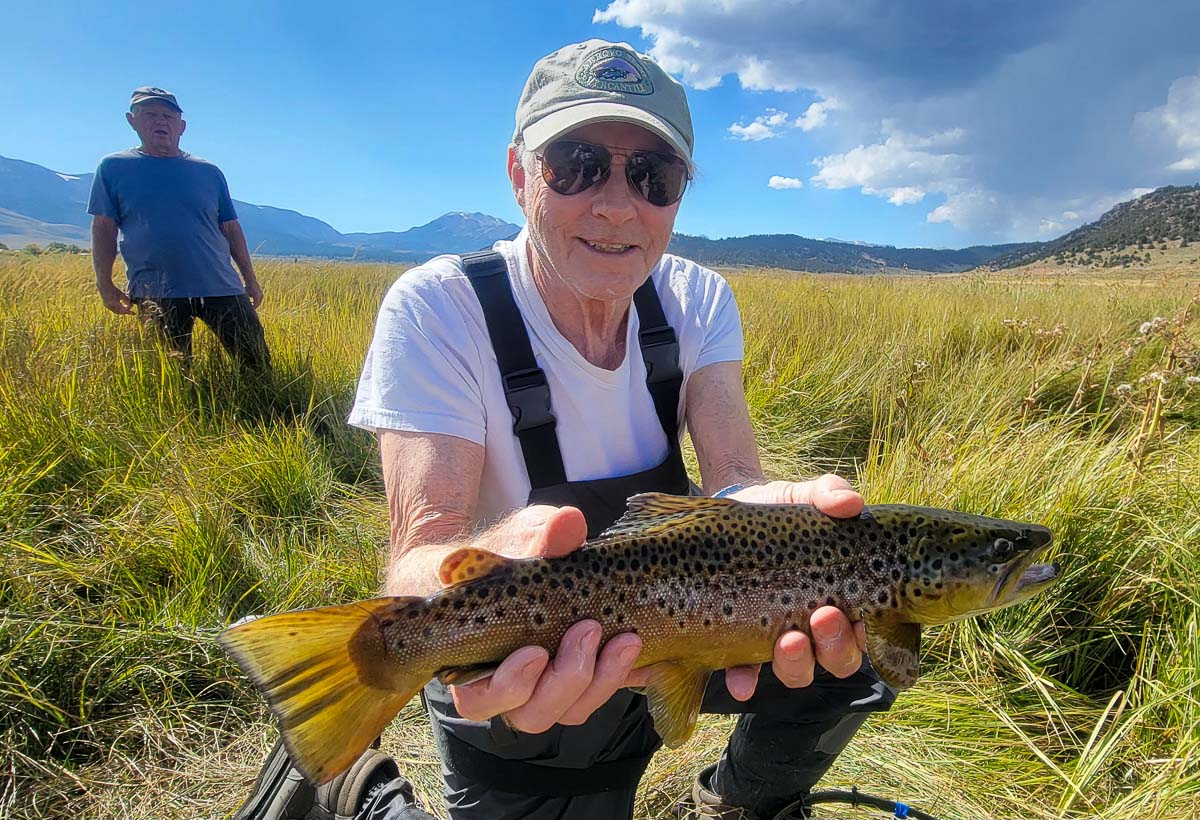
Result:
<point x="178" y="230"/>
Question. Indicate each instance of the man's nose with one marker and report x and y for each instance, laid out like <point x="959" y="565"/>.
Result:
<point x="614" y="199"/>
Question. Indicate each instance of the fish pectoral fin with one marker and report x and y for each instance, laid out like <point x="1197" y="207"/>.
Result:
<point x="327" y="678"/>
<point x="647" y="513"/>
<point x="674" y="692"/>
<point x="468" y="563"/>
<point x="462" y="675"/>
<point x="894" y="648"/>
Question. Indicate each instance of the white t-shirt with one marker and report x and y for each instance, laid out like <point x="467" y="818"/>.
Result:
<point x="431" y="369"/>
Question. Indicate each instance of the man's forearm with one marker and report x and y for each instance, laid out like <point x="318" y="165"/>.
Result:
<point x="104" y="255"/>
<point x="239" y="250"/>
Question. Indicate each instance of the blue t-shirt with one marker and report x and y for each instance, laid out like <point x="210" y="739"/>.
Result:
<point x="169" y="210"/>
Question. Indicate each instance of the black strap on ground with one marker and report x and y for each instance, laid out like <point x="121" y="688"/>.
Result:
<point x="525" y="777"/>
<point x="660" y="351"/>
<point x="525" y="386"/>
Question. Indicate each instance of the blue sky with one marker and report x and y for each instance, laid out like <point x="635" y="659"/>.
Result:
<point x="942" y="123"/>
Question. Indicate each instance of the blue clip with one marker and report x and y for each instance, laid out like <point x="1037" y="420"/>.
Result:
<point x="901" y="810"/>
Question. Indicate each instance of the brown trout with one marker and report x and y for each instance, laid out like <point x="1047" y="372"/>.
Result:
<point x="707" y="584"/>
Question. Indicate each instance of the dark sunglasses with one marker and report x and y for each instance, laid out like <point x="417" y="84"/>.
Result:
<point x="571" y="167"/>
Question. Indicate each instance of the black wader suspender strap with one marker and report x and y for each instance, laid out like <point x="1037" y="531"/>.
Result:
<point x="660" y="352"/>
<point x="525" y="385"/>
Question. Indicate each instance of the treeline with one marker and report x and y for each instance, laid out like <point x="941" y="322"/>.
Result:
<point x="34" y="249"/>
<point x="792" y="252"/>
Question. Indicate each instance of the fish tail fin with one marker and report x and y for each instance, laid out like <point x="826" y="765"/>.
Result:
<point x="327" y="678"/>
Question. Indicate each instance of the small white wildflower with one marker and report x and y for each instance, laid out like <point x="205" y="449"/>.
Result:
<point x="1124" y="389"/>
<point x="1192" y="380"/>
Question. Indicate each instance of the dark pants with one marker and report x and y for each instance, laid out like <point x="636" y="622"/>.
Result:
<point x="784" y="741"/>
<point x="232" y="318"/>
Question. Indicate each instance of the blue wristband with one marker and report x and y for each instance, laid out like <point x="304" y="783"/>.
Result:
<point x="730" y="490"/>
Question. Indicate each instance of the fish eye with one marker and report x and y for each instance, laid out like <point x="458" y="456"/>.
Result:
<point x="1002" y="549"/>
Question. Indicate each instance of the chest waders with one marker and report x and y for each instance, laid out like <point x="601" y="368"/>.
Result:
<point x="785" y="738"/>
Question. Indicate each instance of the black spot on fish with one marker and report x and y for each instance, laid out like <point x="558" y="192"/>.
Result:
<point x="480" y="620"/>
<point x="883" y="596"/>
<point x="896" y="575"/>
<point x="877" y="565"/>
<point x="539" y="618"/>
<point x="937" y="564"/>
<point x="708" y="621"/>
<point x="459" y="603"/>
<point x="727" y="609"/>
<point x="427" y="632"/>
<point x="917" y="593"/>
<point x="902" y="538"/>
<point x="608" y="611"/>
<point x="412" y="613"/>
<point x="852" y="588"/>
<point x="764" y="620"/>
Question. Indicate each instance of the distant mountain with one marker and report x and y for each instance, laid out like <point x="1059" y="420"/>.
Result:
<point x="40" y="205"/>
<point x="793" y="252"/>
<point x="1168" y="214"/>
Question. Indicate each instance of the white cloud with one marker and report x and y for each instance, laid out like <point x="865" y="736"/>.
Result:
<point x="763" y="128"/>
<point x="1177" y="124"/>
<point x="815" y="116"/>
<point x="784" y="183"/>
<point x="902" y="169"/>
<point x="773" y="123"/>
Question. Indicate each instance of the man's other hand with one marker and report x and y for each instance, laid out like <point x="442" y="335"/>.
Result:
<point x="255" y="292"/>
<point x="836" y="644"/>
<point x="116" y="300"/>
<point x="529" y="690"/>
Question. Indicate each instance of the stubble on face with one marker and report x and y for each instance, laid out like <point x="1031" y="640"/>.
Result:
<point x="158" y="126"/>
<point x="601" y="244"/>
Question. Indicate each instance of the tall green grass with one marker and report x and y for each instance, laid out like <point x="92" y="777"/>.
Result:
<point x="144" y="505"/>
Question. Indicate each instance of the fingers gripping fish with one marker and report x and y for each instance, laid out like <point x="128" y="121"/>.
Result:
<point x="706" y="583"/>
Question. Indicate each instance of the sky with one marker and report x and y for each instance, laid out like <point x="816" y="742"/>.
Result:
<point x="942" y="123"/>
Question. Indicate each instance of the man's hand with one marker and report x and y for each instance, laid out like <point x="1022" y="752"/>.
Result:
<point x="255" y="292"/>
<point x="115" y="299"/>
<point x="530" y="691"/>
<point x="836" y="644"/>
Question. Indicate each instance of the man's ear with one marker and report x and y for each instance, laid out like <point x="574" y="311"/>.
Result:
<point x="516" y="175"/>
<point x="129" y="119"/>
<point x="182" y="126"/>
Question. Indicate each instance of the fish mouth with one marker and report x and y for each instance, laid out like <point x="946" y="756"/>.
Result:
<point x="1022" y="577"/>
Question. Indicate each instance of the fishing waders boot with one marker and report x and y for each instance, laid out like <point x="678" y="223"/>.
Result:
<point x="371" y="788"/>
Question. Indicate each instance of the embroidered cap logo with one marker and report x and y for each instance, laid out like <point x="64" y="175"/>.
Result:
<point x="615" y="69"/>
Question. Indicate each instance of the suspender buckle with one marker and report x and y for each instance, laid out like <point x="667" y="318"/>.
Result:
<point x="660" y="351"/>
<point x="528" y="395"/>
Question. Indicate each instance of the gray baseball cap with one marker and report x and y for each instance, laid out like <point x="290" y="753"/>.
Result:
<point x="599" y="81"/>
<point x="148" y="92"/>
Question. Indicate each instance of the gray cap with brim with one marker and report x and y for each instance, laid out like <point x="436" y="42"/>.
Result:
<point x="148" y="93"/>
<point x="598" y="81"/>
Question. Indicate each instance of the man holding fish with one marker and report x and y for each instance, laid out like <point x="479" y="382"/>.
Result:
<point x="521" y="397"/>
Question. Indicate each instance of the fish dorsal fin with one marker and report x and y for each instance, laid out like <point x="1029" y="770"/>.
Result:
<point x="673" y="693"/>
<point x="894" y="648"/>
<point x="468" y="563"/>
<point x="647" y="513"/>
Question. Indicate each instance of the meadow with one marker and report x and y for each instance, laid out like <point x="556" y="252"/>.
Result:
<point x="145" y="505"/>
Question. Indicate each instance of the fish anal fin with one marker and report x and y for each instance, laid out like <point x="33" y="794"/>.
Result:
<point x="647" y="512"/>
<point x="327" y="678"/>
<point x="462" y="675"/>
<point x="468" y="563"/>
<point x="894" y="648"/>
<point x="674" y="692"/>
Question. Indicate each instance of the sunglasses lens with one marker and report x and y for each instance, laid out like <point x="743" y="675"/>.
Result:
<point x="571" y="167"/>
<point x="660" y="178"/>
